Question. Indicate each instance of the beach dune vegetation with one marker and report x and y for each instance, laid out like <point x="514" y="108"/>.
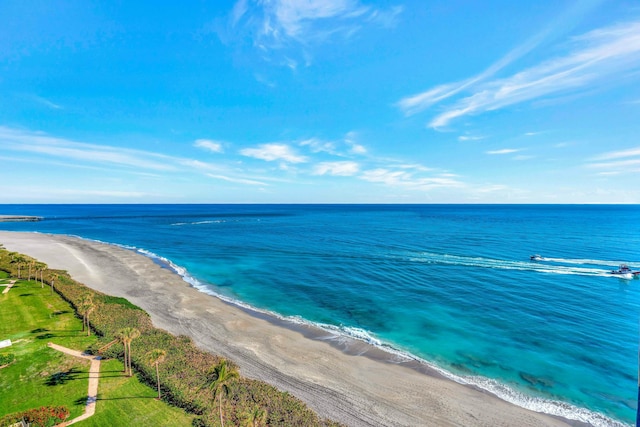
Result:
<point x="185" y="365"/>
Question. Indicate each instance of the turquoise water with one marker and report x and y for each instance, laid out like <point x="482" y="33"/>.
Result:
<point x="450" y="285"/>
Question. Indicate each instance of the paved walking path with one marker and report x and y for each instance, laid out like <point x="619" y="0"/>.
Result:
<point x="94" y="374"/>
<point x="11" y="283"/>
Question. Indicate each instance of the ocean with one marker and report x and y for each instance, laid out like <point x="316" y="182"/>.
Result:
<point x="451" y="286"/>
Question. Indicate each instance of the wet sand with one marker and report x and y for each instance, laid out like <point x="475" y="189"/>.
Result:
<point x="348" y="386"/>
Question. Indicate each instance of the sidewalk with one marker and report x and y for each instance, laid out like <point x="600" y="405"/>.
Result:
<point x="94" y="374"/>
<point x="11" y="283"/>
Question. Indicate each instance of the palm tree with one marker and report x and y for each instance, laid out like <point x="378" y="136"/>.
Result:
<point x="156" y="357"/>
<point x="41" y="267"/>
<point x="19" y="260"/>
<point x="222" y="375"/>
<point x="126" y="335"/>
<point x="85" y="307"/>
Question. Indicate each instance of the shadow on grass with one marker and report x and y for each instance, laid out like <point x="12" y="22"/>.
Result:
<point x="63" y="377"/>
<point x="37" y="331"/>
<point x="60" y="312"/>
<point x="81" y="401"/>
<point x="45" y="336"/>
<point x="26" y="295"/>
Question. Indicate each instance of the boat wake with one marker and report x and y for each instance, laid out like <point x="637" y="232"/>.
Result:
<point x="551" y="266"/>
<point x="580" y="261"/>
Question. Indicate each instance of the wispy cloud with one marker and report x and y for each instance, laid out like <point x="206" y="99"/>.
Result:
<point x="46" y="102"/>
<point x="43" y="144"/>
<point x="631" y="152"/>
<point x="406" y="179"/>
<point x="274" y="151"/>
<point x="346" y="147"/>
<point x="593" y="59"/>
<point x="463" y="138"/>
<point x="237" y="180"/>
<point x="336" y="168"/>
<point x="503" y="151"/>
<point x="286" y="24"/>
<point x="210" y="145"/>
<point x="617" y="162"/>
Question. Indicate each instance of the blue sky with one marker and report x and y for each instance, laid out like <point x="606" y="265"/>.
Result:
<point x="320" y="101"/>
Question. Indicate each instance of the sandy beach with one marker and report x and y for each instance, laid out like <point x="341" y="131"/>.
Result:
<point x="355" y="389"/>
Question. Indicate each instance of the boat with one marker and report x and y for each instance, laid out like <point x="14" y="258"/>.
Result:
<point x="624" y="272"/>
<point x="535" y="257"/>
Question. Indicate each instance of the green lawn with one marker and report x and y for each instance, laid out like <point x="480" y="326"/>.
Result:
<point x="123" y="398"/>
<point x="30" y="316"/>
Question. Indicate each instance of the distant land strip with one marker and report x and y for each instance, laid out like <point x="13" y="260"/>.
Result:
<point x="7" y="218"/>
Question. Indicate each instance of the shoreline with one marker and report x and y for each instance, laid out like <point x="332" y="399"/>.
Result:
<point x="347" y="386"/>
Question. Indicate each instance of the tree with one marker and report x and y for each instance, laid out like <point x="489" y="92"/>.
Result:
<point x="156" y="357"/>
<point x="222" y="374"/>
<point x="85" y="307"/>
<point x="41" y="267"/>
<point x="18" y="259"/>
<point x="126" y="335"/>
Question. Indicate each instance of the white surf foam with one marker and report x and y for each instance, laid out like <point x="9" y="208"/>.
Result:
<point x="479" y="262"/>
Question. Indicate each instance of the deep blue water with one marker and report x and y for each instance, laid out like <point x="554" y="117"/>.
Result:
<point x="448" y="284"/>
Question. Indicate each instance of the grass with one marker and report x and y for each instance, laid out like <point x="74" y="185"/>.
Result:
<point x="30" y="316"/>
<point x="126" y="398"/>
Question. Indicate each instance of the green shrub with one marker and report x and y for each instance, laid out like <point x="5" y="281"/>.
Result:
<point x="45" y="416"/>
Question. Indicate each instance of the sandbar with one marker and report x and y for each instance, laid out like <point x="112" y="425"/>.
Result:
<point x="355" y="389"/>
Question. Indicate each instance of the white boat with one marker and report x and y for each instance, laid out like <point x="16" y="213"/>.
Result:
<point x="535" y="257"/>
<point x="624" y="272"/>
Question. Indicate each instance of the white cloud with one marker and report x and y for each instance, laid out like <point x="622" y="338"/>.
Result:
<point x="595" y="58"/>
<point x="317" y="145"/>
<point x="42" y="144"/>
<point x="293" y="24"/>
<point x="208" y="144"/>
<point x="503" y="151"/>
<point x="274" y="151"/>
<point x="342" y="148"/>
<point x="47" y="102"/>
<point x="617" y="162"/>
<point x="356" y="148"/>
<point x="336" y="168"/>
<point x="619" y="154"/>
<point x="197" y="164"/>
<point x="237" y="180"/>
<point x="620" y="164"/>
<point x="463" y="138"/>
<point x="402" y="178"/>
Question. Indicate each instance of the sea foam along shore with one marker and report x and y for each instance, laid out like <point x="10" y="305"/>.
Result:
<point x="354" y="389"/>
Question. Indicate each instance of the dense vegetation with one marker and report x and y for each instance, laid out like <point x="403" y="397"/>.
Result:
<point x="45" y="416"/>
<point x="188" y="376"/>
